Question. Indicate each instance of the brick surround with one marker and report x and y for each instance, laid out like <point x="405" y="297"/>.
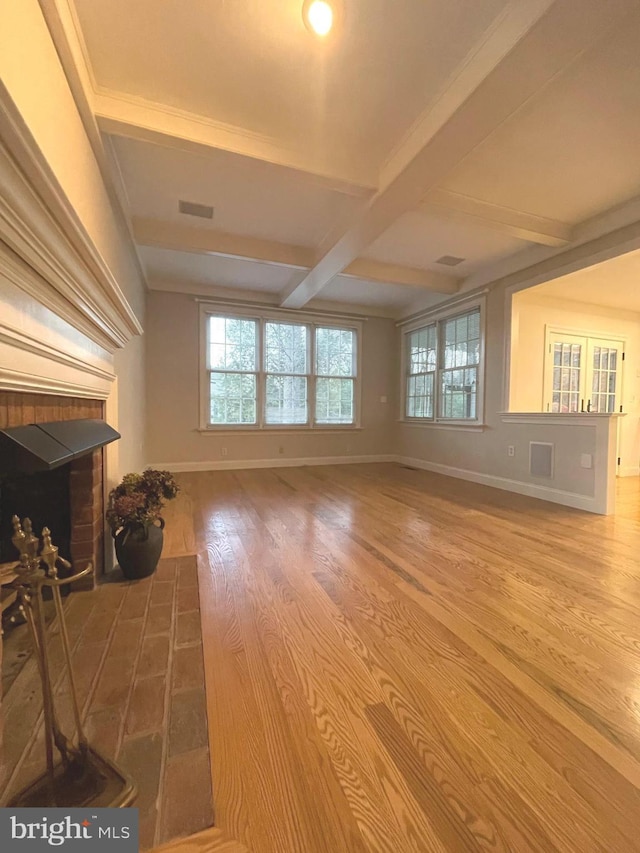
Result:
<point x="86" y="473"/>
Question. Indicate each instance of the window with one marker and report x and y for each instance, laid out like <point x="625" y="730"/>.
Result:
<point x="335" y="375"/>
<point x="422" y="369"/>
<point x="460" y="356"/>
<point x="233" y="366"/>
<point x="286" y="360"/>
<point x="443" y="369"/>
<point x="264" y="372"/>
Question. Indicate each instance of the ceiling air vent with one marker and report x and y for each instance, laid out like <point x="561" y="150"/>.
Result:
<point x="204" y="211"/>
<point x="450" y="260"/>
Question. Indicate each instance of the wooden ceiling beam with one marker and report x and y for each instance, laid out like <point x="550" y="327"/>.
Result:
<point x="136" y="118"/>
<point x="185" y="238"/>
<point x="515" y="223"/>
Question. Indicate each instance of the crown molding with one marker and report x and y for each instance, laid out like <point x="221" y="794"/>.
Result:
<point x="39" y="224"/>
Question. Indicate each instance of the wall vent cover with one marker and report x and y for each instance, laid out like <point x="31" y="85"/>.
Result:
<point x="191" y="208"/>
<point x="541" y="459"/>
<point x="450" y="260"/>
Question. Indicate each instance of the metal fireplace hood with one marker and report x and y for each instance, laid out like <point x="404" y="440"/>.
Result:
<point x="42" y="447"/>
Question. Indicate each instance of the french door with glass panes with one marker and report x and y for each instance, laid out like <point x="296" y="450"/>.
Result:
<point x="582" y="374"/>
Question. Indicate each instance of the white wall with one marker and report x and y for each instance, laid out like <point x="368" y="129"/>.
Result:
<point x="173" y="438"/>
<point x="31" y="73"/>
<point x="532" y="314"/>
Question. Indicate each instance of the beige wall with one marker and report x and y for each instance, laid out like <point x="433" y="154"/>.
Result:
<point x="174" y="440"/>
<point x="173" y="398"/>
<point x="531" y="316"/>
<point x="482" y="454"/>
<point x="34" y="79"/>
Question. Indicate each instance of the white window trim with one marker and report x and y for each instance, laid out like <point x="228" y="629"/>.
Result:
<point x="261" y="316"/>
<point x="438" y="318"/>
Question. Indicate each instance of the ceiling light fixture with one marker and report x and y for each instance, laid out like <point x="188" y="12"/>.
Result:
<point x="319" y="16"/>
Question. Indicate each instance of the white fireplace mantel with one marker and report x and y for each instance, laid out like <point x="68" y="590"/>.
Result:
<point x="62" y="313"/>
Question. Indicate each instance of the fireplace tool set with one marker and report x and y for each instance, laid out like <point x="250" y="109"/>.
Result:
<point x="81" y="777"/>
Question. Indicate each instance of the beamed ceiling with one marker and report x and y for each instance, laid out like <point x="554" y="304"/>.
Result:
<point x="342" y="170"/>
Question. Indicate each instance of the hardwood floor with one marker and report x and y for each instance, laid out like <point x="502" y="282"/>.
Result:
<point x="397" y="661"/>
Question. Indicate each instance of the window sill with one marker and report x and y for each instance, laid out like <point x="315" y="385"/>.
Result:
<point x="455" y="425"/>
<point x="333" y="428"/>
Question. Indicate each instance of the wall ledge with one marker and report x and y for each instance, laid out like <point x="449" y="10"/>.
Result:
<point x="578" y="419"/>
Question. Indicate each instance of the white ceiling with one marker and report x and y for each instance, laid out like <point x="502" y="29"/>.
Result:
<point x="612" y="284"/>
<point x="248" y="196"/>
<point x="202" y="270"/>
<point x="252" y="63"/>
<point x="483" y="129"/>
<point x="572" y="151"/>
<point x="419" y="239"/>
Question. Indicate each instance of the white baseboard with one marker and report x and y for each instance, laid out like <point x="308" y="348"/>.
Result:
<point x="532" y="490"/>
<point x="628" y="471"/>
<point x="278" y="462"/>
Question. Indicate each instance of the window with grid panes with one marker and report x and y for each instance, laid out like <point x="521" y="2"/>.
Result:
<point x="232" y="357"/>
<point x="442" y="369"/>
<point x="263" y="372"/>
<point x="286" y="360"/>
<point x="335" y="372"/>
<point x="421" y="370"/>
<point x="459" y="360"/>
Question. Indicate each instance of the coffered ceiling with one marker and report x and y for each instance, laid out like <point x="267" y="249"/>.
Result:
<point x="343" y="169"/>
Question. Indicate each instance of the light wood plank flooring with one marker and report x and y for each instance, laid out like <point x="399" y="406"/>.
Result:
<point x="397" y="661"/>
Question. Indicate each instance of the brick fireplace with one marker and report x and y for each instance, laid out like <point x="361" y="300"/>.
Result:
<point x="85" y="474"/>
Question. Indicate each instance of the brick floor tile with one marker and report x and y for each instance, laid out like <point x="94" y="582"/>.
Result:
<point x="102" y="729"/>
<point x="141" y="757"/>
<point x="154" y="657"/>
<point x="187" y="805"/>
<point x="135" y="604"/>
<point x="113" y="685"/>
<point x="162" y="593"/>
<point x="188" y="630"/>
<point x="187" y="721"/>
<point x="159" y="619"/>
<point x="146" y="710"/>
<point x="188" y="599"/>
<point x="188" y="669"/>
<point x="126" y="640"/>
<point x="188" y="573"/>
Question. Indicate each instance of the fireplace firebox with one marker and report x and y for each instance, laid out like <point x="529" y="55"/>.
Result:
<point x="68" y="499"/>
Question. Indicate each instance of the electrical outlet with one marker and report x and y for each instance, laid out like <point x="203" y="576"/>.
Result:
<point x="281" y="450"/>
<point x="223" y="451"/>
<point x="511" y="451"/>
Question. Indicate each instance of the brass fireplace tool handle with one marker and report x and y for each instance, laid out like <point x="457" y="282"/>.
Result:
<point x="84" y="777"/>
